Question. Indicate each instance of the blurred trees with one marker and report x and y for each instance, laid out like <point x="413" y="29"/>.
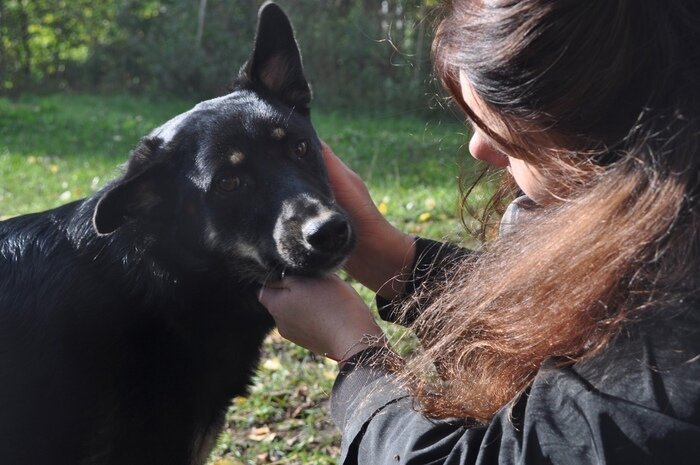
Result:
<point x="360" y="54"/>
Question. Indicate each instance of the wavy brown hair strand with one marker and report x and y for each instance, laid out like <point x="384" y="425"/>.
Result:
<point x="601" y="94"/>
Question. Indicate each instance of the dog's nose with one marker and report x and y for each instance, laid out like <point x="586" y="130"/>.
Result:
<point x="329" y="235"/>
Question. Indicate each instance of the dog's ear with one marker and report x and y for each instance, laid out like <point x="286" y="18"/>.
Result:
<point x="140" y="194"/>
<point x="275" y="65"/>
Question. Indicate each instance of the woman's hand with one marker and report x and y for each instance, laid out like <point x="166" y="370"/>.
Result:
<point x="383" y="253"/>
<point x="325" y="315"/>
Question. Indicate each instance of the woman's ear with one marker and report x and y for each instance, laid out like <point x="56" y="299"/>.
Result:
<point x="275" y="66"/>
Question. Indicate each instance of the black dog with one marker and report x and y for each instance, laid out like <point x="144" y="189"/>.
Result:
<point x="129" y="320"/>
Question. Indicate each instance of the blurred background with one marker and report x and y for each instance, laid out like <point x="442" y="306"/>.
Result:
<point x="359" y="54"/>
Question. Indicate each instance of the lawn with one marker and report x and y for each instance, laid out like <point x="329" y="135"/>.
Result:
<point x="54" y="149"/>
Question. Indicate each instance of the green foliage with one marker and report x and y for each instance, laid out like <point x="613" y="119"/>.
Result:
<point x="41" y="40"/>
<point x="152" y="49"/>
<point x="370" y="54"/>
<point x="359" y="54"/>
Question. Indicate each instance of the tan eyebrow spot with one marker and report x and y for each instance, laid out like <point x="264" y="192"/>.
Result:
<point x="278" y="133"/>
<point x="236" y="157"/>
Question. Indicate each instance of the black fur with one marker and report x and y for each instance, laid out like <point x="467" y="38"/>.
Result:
<point x="128" y="320"/>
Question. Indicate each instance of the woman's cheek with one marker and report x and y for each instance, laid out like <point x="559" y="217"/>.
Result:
<point x="528" y="180"/>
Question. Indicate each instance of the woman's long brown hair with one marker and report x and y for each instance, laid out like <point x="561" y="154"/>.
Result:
<point x="603" y="98"/>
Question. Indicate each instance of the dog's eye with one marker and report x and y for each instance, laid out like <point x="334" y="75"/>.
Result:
<point x="301" y="148"/>
<point x="228" y="183"/>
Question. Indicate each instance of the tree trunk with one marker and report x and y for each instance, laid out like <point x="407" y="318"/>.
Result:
<point x="200" y="23"/>
<point x="3" y="55"/>
<point x="420" y="43"/>
<point x="24" y="39"/>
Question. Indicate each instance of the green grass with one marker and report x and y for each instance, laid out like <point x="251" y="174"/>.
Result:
<point x="58" y="148"/>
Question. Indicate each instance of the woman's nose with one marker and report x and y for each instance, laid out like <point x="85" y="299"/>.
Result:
<point x="482" y="150"/>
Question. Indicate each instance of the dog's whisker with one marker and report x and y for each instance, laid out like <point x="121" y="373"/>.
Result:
<point x="269" y="275"/>
<point x="289" y="116"/>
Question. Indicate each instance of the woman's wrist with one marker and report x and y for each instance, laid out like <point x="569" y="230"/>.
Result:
<point x="365" y="342"/>
<point x="382" y="261"/>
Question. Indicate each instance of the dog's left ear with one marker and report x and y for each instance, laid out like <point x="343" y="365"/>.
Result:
<point x="140" y="195"/>
<point x="275" y="65"/>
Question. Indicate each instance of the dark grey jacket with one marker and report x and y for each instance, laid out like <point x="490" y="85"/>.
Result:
<point x="636" y="403"/>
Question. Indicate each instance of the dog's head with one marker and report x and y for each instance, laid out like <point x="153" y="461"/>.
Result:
<point x="239" y="178"/>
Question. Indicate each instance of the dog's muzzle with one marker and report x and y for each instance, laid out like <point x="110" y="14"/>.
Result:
<point x="312" y="237"/>
<point x="326" y="233"/>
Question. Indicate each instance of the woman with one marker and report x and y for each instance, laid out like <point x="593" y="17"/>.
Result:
<point x="574" y="337"/>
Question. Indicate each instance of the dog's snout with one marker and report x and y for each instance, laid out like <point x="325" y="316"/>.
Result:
<point x="312" y="237"/>
<point x="328" y="235"/>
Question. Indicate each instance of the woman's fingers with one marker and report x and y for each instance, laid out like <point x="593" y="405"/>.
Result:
<point x="325" y="315"/>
